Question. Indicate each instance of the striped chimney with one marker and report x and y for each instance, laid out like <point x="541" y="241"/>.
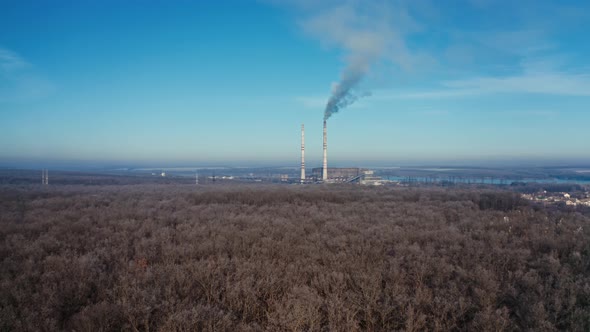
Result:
<point x="325" y="166"/>
<point x="302" y="153"/>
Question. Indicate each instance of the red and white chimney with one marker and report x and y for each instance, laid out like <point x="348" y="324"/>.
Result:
<point x="325" y="165"/>
<point x="302" y="153"/>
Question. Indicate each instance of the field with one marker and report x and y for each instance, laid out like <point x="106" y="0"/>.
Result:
<point x="174" y="257"/>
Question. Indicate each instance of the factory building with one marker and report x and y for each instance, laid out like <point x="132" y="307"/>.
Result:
<point x="369" y="178"/>
<point x="337" y="174"/>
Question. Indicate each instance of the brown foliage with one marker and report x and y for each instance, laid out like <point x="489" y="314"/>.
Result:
<point x="299" y="258"/>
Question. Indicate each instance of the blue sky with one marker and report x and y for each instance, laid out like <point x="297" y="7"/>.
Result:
<point x="230" y="82"/>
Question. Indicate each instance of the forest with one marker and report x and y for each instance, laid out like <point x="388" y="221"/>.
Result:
<point x="180" y="257"/>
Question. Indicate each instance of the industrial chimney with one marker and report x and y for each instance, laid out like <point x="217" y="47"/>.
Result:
<point x="325" y="166"/>
<point x="44" y="176"/>
<point x="302" y="153"/>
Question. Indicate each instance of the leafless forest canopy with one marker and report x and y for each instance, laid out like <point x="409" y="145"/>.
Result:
<point x="289" y="258"/>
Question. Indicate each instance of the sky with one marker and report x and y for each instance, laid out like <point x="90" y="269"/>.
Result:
<point x="182" y="83"/>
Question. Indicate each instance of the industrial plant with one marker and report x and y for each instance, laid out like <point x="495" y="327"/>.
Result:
<point x="327" y="174"/>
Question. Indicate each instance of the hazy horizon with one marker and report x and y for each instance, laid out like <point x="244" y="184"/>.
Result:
<point x="230" y="82"/>
<point x="82" y="165"/>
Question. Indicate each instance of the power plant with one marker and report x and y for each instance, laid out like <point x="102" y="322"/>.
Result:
<point x="324" y="174"/>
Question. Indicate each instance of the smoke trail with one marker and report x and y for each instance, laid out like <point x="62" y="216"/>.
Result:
<point x="363" y="34"/>
<point x="368" y="31"/>
<point x="343" y="93"/>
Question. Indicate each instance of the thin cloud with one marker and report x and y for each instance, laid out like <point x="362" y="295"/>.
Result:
<point x="435" y="112"/>
<point x="555" y="83"/>
<point x="423" y="94"/>
<point x="10" y="61"/>
<point x="312" y="102"/>
<point x="523" y="57"/>
<point x="524" y="42"/>
<point x="18" y="80"/>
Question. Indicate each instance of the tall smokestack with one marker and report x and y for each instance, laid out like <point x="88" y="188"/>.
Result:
<point x="302" y="153"/>
<point x="325" y="166"/>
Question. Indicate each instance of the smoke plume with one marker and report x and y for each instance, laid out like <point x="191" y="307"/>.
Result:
<point x="368" y="31"/>
<point x="343" y="93"/>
